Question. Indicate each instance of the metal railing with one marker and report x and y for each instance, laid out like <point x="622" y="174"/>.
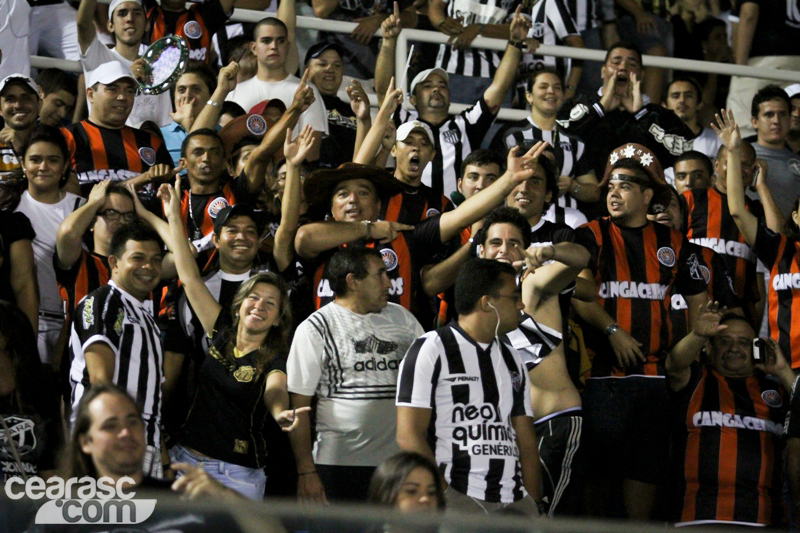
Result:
<point x="337" y="26"/>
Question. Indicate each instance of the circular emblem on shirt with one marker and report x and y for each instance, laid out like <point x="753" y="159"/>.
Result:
<point x="389" y="258"/>
<point x="244" y="374"/>
<point x="431" y="212"/>
<point x="706" y="274"/>
<point x="666" y="256"/>
<point x="216" y="206"/>
<point x="148" y="155"/>
<point x="256" y="124"/>
<point x="772" y="398"/>
<point x="193" y="29"/>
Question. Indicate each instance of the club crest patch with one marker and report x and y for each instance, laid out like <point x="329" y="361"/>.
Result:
<point x="148" y="155"/>
<point x="256" y="125"/>
<point x="389" y="258"/>
<point x="431" y="212"/>
<point x="216" y="206"/>
<point x="244" y="374"/>
<point x="666" y="256"/>
<point x="772" y="398"/>
<point x="193" y="29"/>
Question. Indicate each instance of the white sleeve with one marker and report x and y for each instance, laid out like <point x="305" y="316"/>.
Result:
<point x="414" y="386"/>
<point x="316" y="115"/>
<point x="95" y="55"/>
<point x="304" y="366"/>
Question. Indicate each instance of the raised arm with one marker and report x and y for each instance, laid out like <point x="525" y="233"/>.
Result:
<point x="86" y="30"/>
<point x="384" y="66"/>
<point x="748" y="20"/>
<point x="548" y="280"/>
<point x="359" y="103"/>
<point x="313" y="239"/>
<point x="507" y="70"/>
<point x="287" y="13"/>
<point x="294" y="152"/>
<point x="772" y="214"/>
<point x="70" y="232"/>
<point x="205" y="306"/>
<point x="168" y="270"/>
<point x="372" y="141"/>
<point x="256" y="167"/>
<point x="478" y="206"/>
<point x="687" y="350"/>
<point x="226" y="82"/>
<point x="728" y="133"/>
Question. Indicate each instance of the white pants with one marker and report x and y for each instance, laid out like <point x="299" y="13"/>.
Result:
<point x="54" y="31"/>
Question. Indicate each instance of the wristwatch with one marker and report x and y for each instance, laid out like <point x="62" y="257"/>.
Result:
<point x="610" y="330"/>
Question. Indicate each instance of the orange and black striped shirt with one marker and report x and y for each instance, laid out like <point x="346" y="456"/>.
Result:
<point x="99" y="153"/>
<point x="195" y="25"/>
<point x="728" y="448"/>
<point x="414" y="205"/>
<point x="404" y="257"/>
<point x="711" y="225"/>
<point x="781" y="255"/>
<point x="635" y="270"/>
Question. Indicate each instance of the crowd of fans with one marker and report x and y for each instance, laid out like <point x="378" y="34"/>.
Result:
<point x="260" y="285"/>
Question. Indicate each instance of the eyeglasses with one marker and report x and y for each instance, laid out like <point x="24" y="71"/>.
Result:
<point x="113" y="214"/>
<point x="516" y="297"/>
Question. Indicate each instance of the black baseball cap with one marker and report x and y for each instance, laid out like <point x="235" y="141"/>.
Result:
<point x="316" y="50"/>
<point x="238" y="210"/>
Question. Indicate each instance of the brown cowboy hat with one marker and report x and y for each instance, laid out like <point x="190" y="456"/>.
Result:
<point x="320" y="184"/>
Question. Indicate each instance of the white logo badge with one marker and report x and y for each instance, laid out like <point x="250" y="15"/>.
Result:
<point x="148" y="155"/>
<point x="256" y="125"/>
<point x="772" y="398"/>
<point x="217" y="205"/>
<point x="389" y="258"/>
<point x="666" y="256"/>
<point x="193" y="29"/>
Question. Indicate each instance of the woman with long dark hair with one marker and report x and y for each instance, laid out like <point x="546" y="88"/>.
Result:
<point x="407" y="481"/>
<point x="245" y="375"/>
<point x="31" y="433"/>
<point x="38" y="192"/>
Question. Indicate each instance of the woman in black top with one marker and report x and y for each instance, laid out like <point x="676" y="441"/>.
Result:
<point x="243" y="378"/>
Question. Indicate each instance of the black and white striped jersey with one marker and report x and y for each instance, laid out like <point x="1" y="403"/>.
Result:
<point x="350" y="363"/>
<point x="455" y="139"/>
<point x="473" y="61"/>
<point x="567" y="149"/>
<point x="474" y="391"/>
<point x="551" y="23"/>
<point x="111" y="316"/>
<point x="533" y="341"/>
<point x="585" y="13"/>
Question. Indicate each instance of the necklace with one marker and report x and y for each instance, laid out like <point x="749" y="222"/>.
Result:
<point x="197" y="233"/>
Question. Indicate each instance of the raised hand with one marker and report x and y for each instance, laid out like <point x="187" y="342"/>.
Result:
<point x="184" y="110"/>
<point x="393" y="98"/>
<point x="359" y="101"/>
<point x="226" y="80"/>
<point x="609" y="100"/>
<point x="162" y="172"/>
<point x="524" y="167"/>
<point x="170" y="196"/>
<point x="98" y="193"/>
<point x="296" y="151"/>
<point x="727" y="130"/>
<point x="303" y="95"/>
<point x="706" y="324"/>
<point x="520" y="25"/>
<point x="389" y="137"/>
<point x="392" y="26"/>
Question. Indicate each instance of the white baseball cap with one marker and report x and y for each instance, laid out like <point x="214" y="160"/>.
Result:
<point x="109" y="73"/>
<point x="21" y="79"/>
<point x="115" y="3"/>
<point x="422" y="76"/>
<point x="791" y="90"/>
<point x="405" y="129"/>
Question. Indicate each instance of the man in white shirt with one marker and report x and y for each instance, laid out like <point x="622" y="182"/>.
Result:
<point x="271" y="47"/>
<point x="348" y="354"/>
<point x="126" y="21"/>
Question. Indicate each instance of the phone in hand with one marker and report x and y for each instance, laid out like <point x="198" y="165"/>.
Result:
<point x="759" y="351"/>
